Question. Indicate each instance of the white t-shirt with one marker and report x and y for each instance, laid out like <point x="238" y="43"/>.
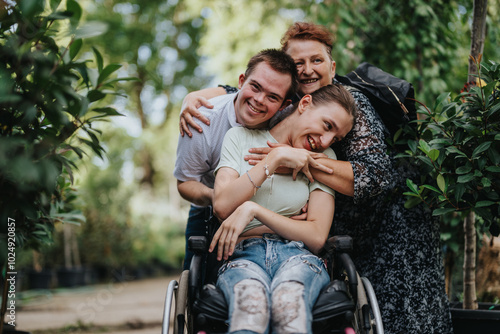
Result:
<point x="198" y="156"/>
<point x="281" y="194"/>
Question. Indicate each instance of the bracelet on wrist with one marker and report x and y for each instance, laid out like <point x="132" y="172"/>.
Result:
<point x="266" y="170"/>
<point x="255" y="187"/>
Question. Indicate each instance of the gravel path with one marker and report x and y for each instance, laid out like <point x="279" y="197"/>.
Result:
<point x="114" y="308"/>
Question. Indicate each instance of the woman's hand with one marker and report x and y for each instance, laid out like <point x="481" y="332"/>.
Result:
<point x="298" y="160"/>
<point x="189" y="109"/>
<point x="303" y="213"/>
<point x="259" y="153"/>
<point x="231" y="228"/>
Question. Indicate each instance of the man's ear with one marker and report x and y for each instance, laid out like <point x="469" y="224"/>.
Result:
<point x="285" y="104"/>
<point x="241" y="81"/>
<point x="304" y="102"/>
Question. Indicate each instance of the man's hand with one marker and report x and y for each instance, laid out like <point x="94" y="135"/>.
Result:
<point x="189" y="109"/>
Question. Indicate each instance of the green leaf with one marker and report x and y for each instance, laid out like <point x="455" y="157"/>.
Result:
<point x="433" y="154"/>
<point x="74" y="8"/>
<point x="108" y="111"/>
<point x="54" y="4"/>
<point x="30" y="8"/>
<point x="455" y="150"/>
<point x="90" y="29"/>
<point x="75" y="48"/>
<point x="465" y="178"/>
<point x="464" y="169"/>
<point x="424" y="146"/>
<point x="408" y="193"/>
<point x="413" y="187"/>
<point x="441" y="182"/>
<point x="95" y="95"/>
<point x="432" y="188"/>
<point x="107" y="71"/>
<point x="481" y="148"/>
<point x="459" y="191"/>
<point x="442" y="211"/>
<point x="493" y="169"/>
<point x="441" y="98"/>
<point x="412" y="144"/>
<point x="98" y="59"/>
<point x="486" y="182"/>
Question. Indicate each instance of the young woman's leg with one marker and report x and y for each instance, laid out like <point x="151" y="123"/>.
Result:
<point x="245" y="285"/>
<point x="294" y="290"/>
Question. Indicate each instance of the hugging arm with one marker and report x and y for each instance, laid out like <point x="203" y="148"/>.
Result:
<point x="364" y="169"/>
<point x="365" y="149"/>
<point x="313" y="232"/>
<point x="190" y="105"/>
<point x="338" y="174"/>
<point x="232" y="189"/>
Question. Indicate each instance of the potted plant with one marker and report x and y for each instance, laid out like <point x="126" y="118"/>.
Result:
<point x="458" y="150"/>
<point x="49" y="101"/>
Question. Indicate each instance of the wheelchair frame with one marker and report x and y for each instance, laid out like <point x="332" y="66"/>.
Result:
<point x="365" y="318"/>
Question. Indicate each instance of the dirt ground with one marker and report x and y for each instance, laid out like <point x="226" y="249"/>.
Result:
<point x="114" y="308"/>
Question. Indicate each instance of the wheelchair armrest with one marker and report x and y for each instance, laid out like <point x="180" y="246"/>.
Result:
<point x="198" y="244"/>
<point x="337" y="243"/>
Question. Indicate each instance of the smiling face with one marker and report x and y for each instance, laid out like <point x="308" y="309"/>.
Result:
<point x="318" y="127"/>
<point x="261" y="95"/>
<point x="314" y="65"/>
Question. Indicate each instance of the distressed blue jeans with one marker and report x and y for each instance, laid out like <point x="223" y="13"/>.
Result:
<point x="271" y="283"/>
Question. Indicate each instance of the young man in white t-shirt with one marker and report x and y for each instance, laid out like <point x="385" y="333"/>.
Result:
<point x="269" y="81"/>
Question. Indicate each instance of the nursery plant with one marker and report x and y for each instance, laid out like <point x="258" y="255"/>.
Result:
<point x="458" y="150"/>
<point x="51" y="96"/>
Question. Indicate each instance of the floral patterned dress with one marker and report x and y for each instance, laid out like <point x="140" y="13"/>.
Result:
<point x="397" y="249"/>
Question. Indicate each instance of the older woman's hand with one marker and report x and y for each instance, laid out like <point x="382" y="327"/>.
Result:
<point x="189" y="109"/>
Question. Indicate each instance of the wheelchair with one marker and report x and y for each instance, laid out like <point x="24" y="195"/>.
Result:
<point x="347" y="305"/>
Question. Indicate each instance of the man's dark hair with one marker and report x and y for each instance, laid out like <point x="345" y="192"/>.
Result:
<point x="280" y="62"/>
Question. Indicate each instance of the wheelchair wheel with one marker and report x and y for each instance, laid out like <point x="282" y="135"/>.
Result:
<point x="372" y="300"/>
<point x="176" y="315"/>
<point x="367" y="318"/>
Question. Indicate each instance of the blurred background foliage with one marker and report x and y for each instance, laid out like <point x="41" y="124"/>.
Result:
<point x="133" y="212"/>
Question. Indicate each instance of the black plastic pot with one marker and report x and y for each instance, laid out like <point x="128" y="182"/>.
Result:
<point x="70" y="277"/>
<point x="40" y="280"/>
<point x="486" y="319"/>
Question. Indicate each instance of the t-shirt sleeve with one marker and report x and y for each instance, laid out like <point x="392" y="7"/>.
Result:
<point x="231" y="149"/>
<point x="192" y="158"/>
<point x="317" y="185"/>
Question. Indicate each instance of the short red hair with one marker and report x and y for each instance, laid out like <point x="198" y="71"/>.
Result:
<point x="308" y="31"/>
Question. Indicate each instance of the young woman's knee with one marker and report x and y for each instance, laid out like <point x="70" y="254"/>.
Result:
<point x="251" y="307"/>
<point x="289" y="312"/>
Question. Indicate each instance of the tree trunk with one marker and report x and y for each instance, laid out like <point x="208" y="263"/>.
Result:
<point x="470" y="300"/>
<point x="488" y="269"/>
<point x="478" y="33"/>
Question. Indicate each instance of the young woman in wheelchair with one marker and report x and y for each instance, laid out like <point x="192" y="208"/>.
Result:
<point x="271" y="276"/>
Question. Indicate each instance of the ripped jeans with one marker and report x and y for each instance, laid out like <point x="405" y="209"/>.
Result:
<point x="271" y="283"/>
